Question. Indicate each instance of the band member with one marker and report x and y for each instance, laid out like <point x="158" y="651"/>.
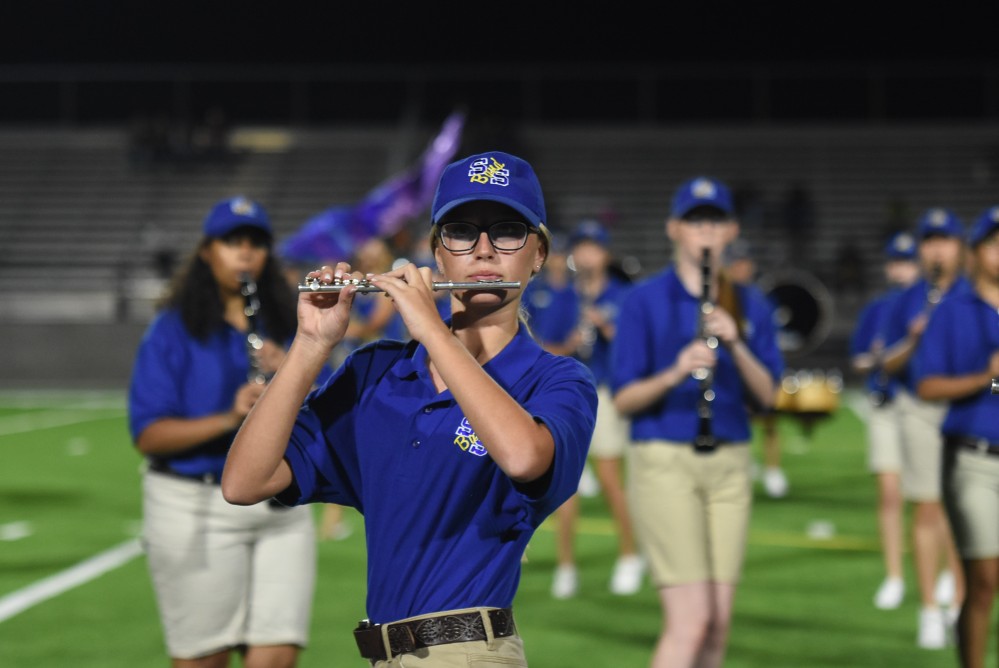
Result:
<point x="688" y="478"/>
<point x="455" y="445"/>
<point x="955" y="362"/>
<point x="938" y="568"/>
<point x="884" y="430"/>
<point x="227" y="579"/>
<point x="597" y="297"/>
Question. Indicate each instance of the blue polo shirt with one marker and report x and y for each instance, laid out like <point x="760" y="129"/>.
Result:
<point x="446" y="528"/>
<point x="959" y="339"/>
<point x="609" y="302"/>
<point x="903" y="310"/>
<point x="178" y="376"/>
<point x="869" y="326"/>
<point x="553" y="310"/>
<point x="658" y="318"/>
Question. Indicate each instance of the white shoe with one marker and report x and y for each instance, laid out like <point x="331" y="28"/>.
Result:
<point x="589" y="486"/>
<point x="566" y="582"/>
<point x="943" y="593"/>
<point x="890" y="594"/>
<point x="775" y="482"/>
<point x="932" y="629"/>
<point x="627" y="576"/>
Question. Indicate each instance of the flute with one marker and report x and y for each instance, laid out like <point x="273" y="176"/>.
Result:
<point x="364" y="286"/>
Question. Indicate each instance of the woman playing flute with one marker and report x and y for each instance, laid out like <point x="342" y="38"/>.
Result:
<point x="455" y="445"/>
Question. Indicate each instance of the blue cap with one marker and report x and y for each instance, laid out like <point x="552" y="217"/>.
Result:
<point x="939" y="222"/>
<point x="235" y="212"/>
<point x="902" y="246"/>
<point x="702" y="191"/>
<point x="986" y="224"/>
<point x="495" y="176"/>
<point x="590" y="230"/>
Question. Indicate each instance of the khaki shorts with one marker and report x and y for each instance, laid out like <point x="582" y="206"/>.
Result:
<point x="690" y="511"/>
<point x="971" y="499"/>
<point x="922" y="446"/>
<point x="226" y="575"/>
<point x="884" y="439"/>
<point x="611" y="435"/>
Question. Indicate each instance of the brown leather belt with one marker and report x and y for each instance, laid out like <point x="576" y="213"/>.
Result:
<point x="971" y="443"/>
<point x="411" y="635"/>
<point x="161" y="466"/>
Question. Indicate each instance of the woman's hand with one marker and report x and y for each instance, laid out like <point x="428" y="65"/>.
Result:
<point x="411" y="288"/>
<point x="696" y="355"/>
<point x="720" y="324"/>
<point x="323" y="316"/>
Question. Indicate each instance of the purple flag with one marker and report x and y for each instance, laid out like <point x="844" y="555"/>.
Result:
<point x="334" y="233"/>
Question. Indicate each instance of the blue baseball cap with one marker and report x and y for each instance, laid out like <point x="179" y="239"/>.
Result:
<point x="235" y="212"/>
<point x="495" y="176"/>
<point x="940" y="222"/>
<point x="902" y="246"/>
<point x="590" y="230"/>
<point x="702" y="191"/>
<point x="986" y="224"/>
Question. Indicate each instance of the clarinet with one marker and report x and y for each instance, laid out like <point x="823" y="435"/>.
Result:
<point x="705" y="441"/>
<point x="935" y="293"/>
<point x="248" y="287"/>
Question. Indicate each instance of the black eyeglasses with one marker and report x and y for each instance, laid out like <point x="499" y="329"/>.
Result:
<point x="504" y="235"/>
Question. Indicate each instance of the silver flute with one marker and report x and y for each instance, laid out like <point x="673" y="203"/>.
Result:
<point x="363" y="285"/>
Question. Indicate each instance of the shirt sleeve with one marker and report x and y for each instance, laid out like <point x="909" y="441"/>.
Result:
<point x="154" y="390"/>
<point x="566" y="403"/>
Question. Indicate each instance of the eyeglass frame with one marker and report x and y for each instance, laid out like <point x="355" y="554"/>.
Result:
<point x="529" y="230"/>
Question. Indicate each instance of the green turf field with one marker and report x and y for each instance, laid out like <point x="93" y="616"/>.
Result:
<point x="69" y="492"/>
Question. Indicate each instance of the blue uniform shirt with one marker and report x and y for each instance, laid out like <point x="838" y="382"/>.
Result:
<point x="446" y="528"/>
<point x="553" y="311"/>
<point x="904" y="308"/>
<point x="658" y="318"/>
<point x="959" y="339"/>
<point x="869" y="327"/>
<point x="178" y="376"/>
<point x="609" y="302"/>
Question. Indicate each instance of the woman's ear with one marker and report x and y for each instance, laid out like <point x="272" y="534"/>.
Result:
<point x="439" y="261"/>
<point x="672" y="229"/>
<point x="540" y="256"/>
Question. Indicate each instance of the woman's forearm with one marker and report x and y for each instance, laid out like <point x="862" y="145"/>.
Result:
<point x="255" y="468"/>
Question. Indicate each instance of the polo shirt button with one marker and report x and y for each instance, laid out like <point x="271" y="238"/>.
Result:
<point x="416" y="443"/>
<point x="428" y="409"/>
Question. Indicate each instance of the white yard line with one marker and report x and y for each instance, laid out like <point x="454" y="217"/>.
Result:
<point x="19" y="424"/>
<point x="83" y="572"/>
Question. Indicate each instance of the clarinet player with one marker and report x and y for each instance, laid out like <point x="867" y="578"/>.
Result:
<point x="688" y="479"/>
<point x="227" y="579"/>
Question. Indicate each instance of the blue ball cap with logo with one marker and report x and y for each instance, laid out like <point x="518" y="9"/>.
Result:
<point x="702" y="191"/>
<point x="901" y="246"/>
<point x="495" y="176"/>
<point x="235" y="212"/>
<point x="939" y="222"/>
<point x="590" y="230"/>
<point x="987" y="223"/>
